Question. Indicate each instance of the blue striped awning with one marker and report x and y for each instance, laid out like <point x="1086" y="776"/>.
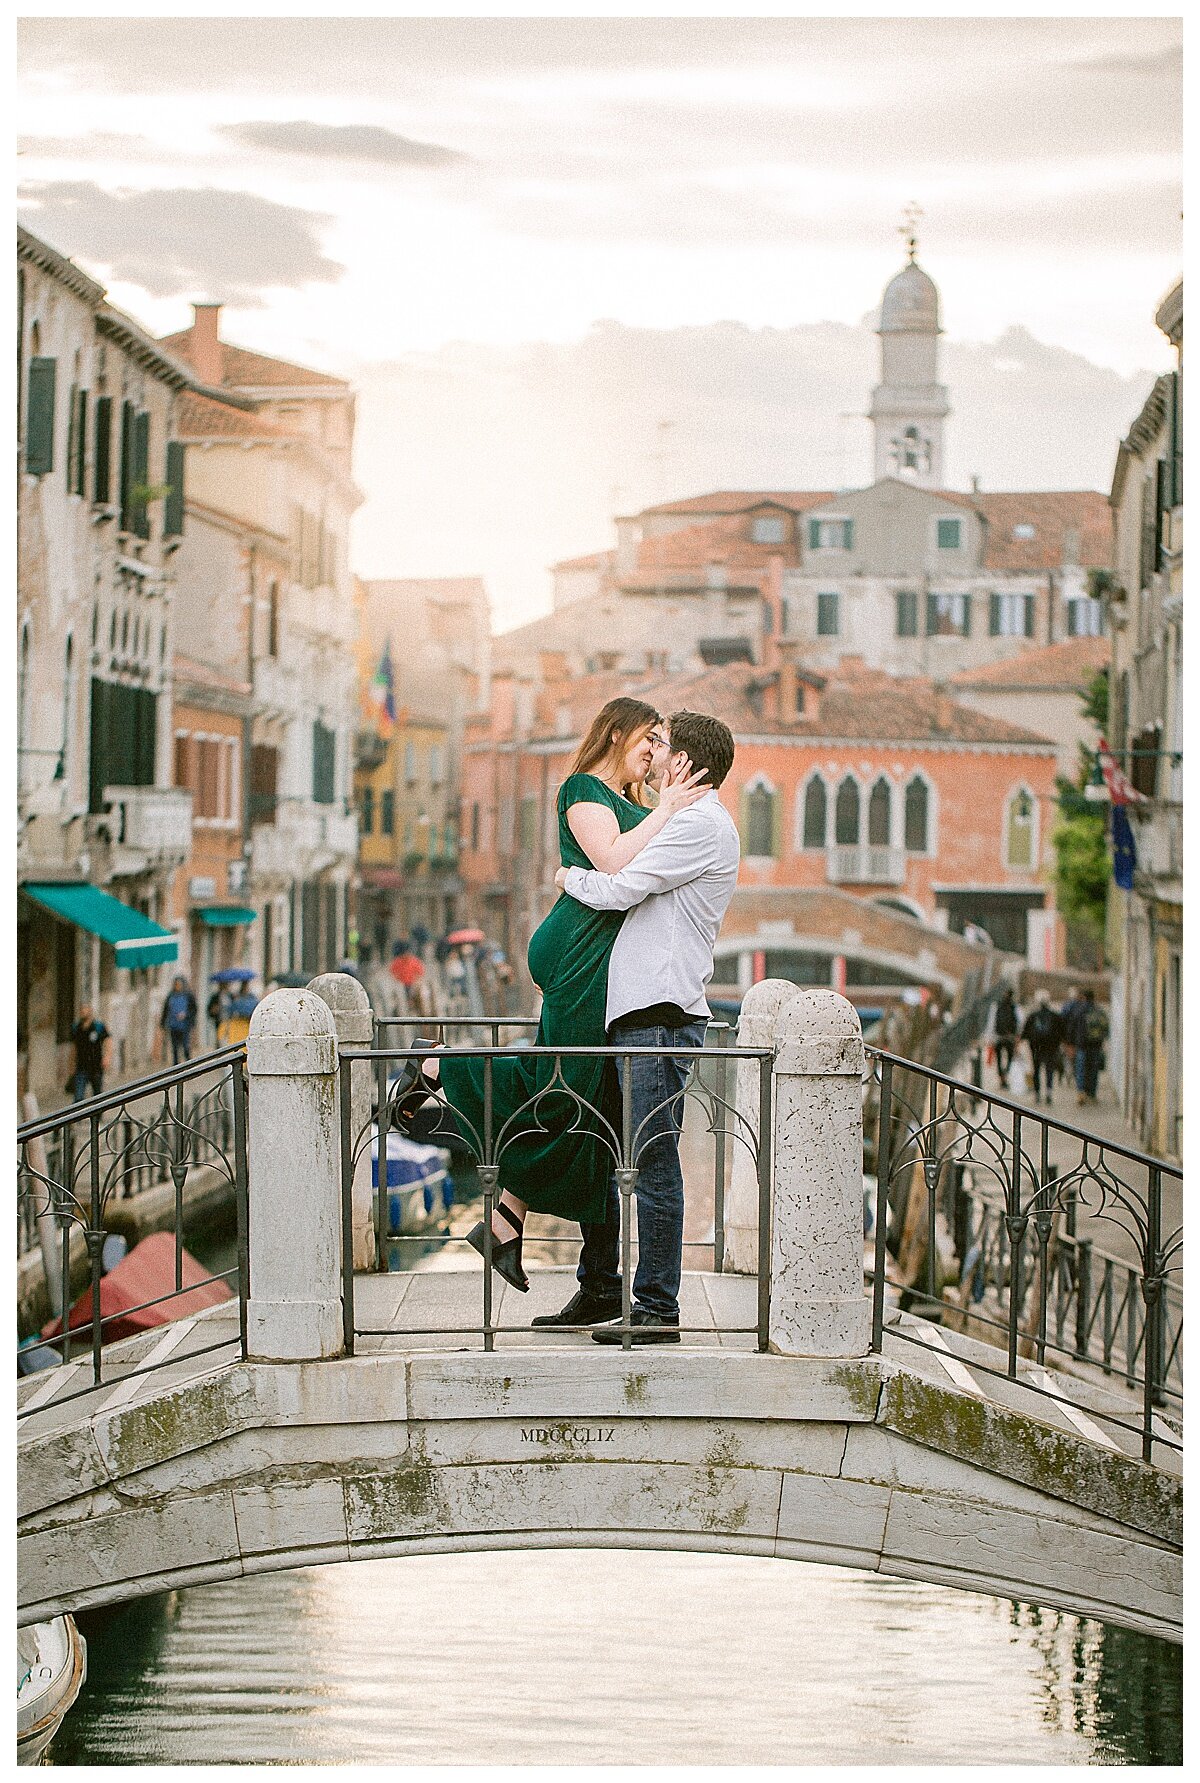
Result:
<point x="134" y="939"/>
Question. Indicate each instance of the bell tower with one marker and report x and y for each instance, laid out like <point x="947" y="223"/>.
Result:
<point x="908" y="405"/>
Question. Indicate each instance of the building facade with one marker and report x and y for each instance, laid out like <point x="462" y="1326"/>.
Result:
<point x="1145" y="600"/>
<point x="267" y="604"/>
<point x="101" y="828"/>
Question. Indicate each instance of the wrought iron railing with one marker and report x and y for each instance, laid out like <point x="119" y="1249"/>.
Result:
<point x="707" y="1082"/>
<point x="1015" y="1198"/>
<point x="75" y="1165"/>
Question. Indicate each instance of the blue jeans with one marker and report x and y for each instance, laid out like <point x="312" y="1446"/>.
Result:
<point x="659" y="1187"/>
<point x="84" y="1083"/>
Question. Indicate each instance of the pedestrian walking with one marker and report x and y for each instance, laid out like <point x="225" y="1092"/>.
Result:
<point x="178" y="1019"/>
<point x="1006" y="1026"/>
<point x="1090" y="1034"/>
<point x="1042" y="1035"/>
<point x="91" y="1039"/>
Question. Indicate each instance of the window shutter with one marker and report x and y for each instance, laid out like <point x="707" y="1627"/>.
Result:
<point x="39" y="424"/>
<point x="127" y="477"/>
<point x="906" y="613"/>
<point x="993" y="615"/>
<point x="966" y="615"/>
<point x="324" y="744"/>
<point x="814" y="535"/>
<point x="1176" y="447"/>
<point x="1161" y="503"/>
<point x="80" y="483"/>
<point x="101" y="464"/>
<point x="931" y="615"/>
<point x="141" y="473"/>
<point x="1028" y="615"/>
<point x="173" y="507"/>
<point x="847" y="535"/>
<point x="72" y="435"/>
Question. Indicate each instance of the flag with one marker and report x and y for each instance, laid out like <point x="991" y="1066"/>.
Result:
<point x="1121" y="789"/>
<point x="381" y="695"/>
<point x="1123" y="847"/>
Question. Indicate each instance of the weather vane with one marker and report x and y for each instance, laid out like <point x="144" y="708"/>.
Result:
<point x="911" y="215"/>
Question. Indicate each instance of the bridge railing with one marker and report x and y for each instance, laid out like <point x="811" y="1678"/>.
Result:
<point x="990" y="1217"/>
<point x="553" y="1104"/>
<point x="73" y="1169"/>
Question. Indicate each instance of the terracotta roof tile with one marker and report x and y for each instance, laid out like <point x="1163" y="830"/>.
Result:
<point x="719" y="541"/>
<point x="200" y="417"/>
<point x="595" y="560"/>
<point x="1051" y="512"/>
<point x="1069" y="664"/>
<point x="241" y="369"/>
<point x="741" y="501"/>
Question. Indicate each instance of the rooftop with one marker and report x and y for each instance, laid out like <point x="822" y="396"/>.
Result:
<point x="1066" y="666"/>
<point x="243" y="370"/>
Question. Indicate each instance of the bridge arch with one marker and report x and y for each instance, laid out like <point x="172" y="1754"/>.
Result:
<point x="258" y="1468"/>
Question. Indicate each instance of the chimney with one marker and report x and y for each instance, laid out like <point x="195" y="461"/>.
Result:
<point x="204" y="348"/>
<point x="787" y="691"/>
<point x="975" y="485"/>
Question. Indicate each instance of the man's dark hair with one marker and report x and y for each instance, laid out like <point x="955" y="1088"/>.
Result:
<point x="706" y="741"/>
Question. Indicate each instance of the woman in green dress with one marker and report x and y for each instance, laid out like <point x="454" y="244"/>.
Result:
<point x="555" y="1155"/>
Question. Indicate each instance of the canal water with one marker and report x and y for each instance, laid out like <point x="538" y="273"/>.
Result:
<point x="601" y="1657"/>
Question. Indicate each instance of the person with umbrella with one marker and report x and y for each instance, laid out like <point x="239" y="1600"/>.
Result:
<point x="232" y="1013"/>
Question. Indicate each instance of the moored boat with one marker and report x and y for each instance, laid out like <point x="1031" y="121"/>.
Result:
<point x="51" y="1668"/>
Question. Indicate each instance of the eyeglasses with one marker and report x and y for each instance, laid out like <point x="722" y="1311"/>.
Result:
<point x="658" y="742"/>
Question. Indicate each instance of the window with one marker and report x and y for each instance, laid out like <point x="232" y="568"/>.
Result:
<point x="387" y="812"/>
<point x="879" y="814"/>
<point x="916" y="815"/>
<point x="846" y="812"/>
<point x="273" y="620"/>
<point x="68" y="709"/>
<point x="102" y="459"/>
<point x="948" y="615"/>
<point x="1085" y="617"/>
<point x="1023" y="530"/>
<point x="768" y="529"/>
<point x="127" y="478"/>
<point x="1019" y="830"/>
<point x="527" y="826"/>
<point x="264" y="774"/>
<point x="1010" y="615"/>
<point x="906" y="613"/>
<point x="324" y="763"/>
<point x="39" y="417"/>
<point x="815" y="812"/>
<point x="121" y="738"/>
<point x="949" y="535"/>
<point x="436" y="775"/>
<point x="759" y="820"/>
<point x="139" y="508"/>
<point x="367" y="810"/>
<point x="410" y="763"/>
<point x="1143" y="759"/>
<point x="77" y="440"/>
<point x="831" y="535"/>
<point x="910" y="453"/>
<point x="173" y="506"/>
<point x="827" y="616"/>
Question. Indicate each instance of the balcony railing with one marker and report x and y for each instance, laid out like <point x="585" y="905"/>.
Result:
<point x="864" y="863"/>
<point x="151" y="821"/>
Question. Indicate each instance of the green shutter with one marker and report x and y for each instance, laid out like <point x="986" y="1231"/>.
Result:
<point x="1162" y="489"/>
<point x="906" y="613"/>
<point x="1176" y="439"/>
<point x="931" y="615"/>
<point x="1028" y="615"/>
<point x="814" y="535"/>
<point x="79" y="484"/>
<point x="127" y="476"/>
<point x="948" y="534"/>
<point x="141" y="473"/>
<point x="39" y="423"/>
<point x="324" y="745"/>
<point x="102" y="463"/>
<point x="993" y="615"/>
<point x="173" y="507"/>
<point x="966" y="613"/>
<point x="72" y="425"/>
<point x="847" y="535"/>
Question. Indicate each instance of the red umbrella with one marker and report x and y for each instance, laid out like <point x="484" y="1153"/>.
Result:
<point x="461" y="937"/>
<point x="406" y="968"/>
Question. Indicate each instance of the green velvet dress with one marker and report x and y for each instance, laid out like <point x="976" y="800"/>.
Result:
<point x="564" y="1167"/>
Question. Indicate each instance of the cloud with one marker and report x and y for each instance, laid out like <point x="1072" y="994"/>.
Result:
<point x="227" y="246"/>
<point x="346" y="142"/>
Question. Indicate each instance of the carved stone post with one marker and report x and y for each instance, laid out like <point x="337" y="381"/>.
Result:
<point x="761" y="1009"/>
<point x="295" y="1307"/>
<point x="351" y="1008"/>
<point x="818" y="1302"/>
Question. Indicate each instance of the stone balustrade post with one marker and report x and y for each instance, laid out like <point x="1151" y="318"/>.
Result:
<point x="353" y="1021"/>
<point x="760" y="1013"/>
<point x="818" y="1301"/>
<point x="295" y="1306"/>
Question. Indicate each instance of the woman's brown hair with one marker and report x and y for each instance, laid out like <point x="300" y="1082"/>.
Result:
<point x="621" y="720"/>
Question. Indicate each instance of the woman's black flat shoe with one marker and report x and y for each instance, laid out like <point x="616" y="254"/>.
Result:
<point x="410" y="1090"/>
<point x="506" y="1255"/>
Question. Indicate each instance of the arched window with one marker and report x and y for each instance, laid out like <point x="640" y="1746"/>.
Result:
<point x="816" y="806"/>
<point x="1018" y="829"/>
<point x="846" y="816"/>
<point x="916" y="815"/>
<point x="759" y="825"/>
<point x="879" y="814"/>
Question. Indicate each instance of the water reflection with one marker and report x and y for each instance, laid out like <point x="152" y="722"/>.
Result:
<point x="599" y="1657"/>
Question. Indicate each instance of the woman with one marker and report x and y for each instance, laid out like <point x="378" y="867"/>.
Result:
<point x="564" y="1167"/>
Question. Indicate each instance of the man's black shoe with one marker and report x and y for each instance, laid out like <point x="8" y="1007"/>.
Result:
<point x="649" y="1328"/>
<point x="583" y="1309"/>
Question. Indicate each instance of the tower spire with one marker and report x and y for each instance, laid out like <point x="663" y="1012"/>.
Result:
<point x="910" y="218"/>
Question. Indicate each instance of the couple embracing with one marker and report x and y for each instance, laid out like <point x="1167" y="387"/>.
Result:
<point x="623" y="958"/>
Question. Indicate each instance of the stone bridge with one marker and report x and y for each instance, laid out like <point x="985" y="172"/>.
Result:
<point x="919" y="1461"/>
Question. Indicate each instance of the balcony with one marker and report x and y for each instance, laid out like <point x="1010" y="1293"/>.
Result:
<point x="339" y="832"/>
<point x="864" y="863"/>
<point x="147" y="828"/>
<point x="1158" y="836"/>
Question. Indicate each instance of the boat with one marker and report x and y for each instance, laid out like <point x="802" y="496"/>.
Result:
<point x="145" y="1274"/>
<point x="51" y="1667"/>
<point x="420" y="1188"/>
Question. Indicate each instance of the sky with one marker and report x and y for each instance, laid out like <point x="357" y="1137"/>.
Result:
<point x="619" y="222"/>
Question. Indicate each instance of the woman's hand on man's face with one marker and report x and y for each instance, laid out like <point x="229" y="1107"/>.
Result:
<point x="682" y="786"/>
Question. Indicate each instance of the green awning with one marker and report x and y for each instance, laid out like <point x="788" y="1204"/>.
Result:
<point x="134" y="939"/>
<point x="224" y="916"/>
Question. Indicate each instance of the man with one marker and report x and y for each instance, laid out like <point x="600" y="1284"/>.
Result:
<point x="1005" y="1030"/>
<point x="90" y="1039"/>
<point x="1042" y="1034"/>
<point x="178" y="1019"/>
<point x="676" y="891"/>
<point x="1089" y="1032"/>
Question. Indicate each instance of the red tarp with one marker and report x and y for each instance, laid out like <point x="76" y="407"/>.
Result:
<point x="147" y="1273"/>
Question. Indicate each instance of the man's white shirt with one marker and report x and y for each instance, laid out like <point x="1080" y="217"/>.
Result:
<point x="676" y="891"/>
